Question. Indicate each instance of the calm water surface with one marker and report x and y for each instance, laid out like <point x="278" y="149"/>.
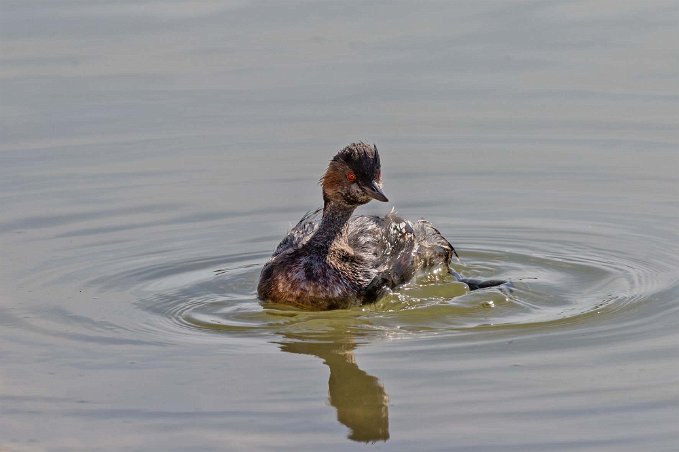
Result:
<point x="154" y="153"/>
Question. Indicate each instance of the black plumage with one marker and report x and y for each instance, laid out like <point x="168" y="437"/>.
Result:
<point x="332" y="260"/>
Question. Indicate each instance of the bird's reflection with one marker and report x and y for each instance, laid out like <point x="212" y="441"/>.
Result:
<point x="359" y="398"/>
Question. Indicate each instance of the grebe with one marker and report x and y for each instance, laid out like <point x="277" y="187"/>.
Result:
<point x="331" y="260"/>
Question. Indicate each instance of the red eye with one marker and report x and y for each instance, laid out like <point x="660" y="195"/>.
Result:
<point x="351" y="176"/>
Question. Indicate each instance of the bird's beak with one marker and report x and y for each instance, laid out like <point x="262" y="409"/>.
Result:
<point x="375" y="192"/>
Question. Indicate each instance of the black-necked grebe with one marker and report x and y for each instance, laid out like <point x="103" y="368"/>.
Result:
<point x="331" y="260"/>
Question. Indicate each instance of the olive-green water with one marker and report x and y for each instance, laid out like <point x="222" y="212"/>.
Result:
<point x="152" y="155"/>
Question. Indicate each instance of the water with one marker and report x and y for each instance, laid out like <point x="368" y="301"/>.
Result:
<point x="153" y="155"/>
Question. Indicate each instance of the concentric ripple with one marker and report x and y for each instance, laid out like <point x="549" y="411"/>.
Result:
<point x="582" y="276"/>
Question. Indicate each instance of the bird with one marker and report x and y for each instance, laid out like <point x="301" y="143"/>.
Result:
<point x="333" y="260"/>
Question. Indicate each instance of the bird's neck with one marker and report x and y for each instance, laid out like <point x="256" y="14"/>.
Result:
<point x="335" y="216"/>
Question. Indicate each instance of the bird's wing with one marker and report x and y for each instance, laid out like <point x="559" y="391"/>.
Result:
<point x="300" y="233"/>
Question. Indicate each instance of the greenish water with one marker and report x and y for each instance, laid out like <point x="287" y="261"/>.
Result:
<point x="153" y="155"/>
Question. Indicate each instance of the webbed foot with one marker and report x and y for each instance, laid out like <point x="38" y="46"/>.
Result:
<point x="475" y="284"/>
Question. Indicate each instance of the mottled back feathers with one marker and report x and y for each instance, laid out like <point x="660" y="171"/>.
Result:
<point x="374" y="252"/>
